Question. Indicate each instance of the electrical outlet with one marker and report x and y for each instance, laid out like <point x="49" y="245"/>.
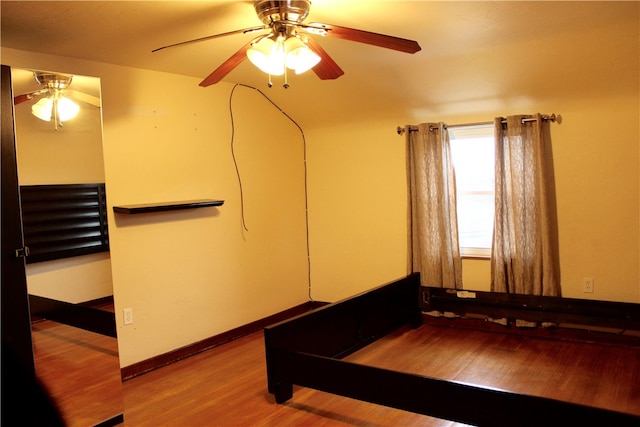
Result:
<point x="128" y="316"/>
<point x="587" y="285"/>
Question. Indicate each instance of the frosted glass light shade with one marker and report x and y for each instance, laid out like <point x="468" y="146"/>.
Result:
<point x="299" y="57"/>
<point x="66" y="109"/>
<point x="42" y="109"/>
<point x="268" y="56"/>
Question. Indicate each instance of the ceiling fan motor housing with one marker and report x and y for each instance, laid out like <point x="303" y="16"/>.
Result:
<point x="270" y="11"/>
<point x="52" y="80"/>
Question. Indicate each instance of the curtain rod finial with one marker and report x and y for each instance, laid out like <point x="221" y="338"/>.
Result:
<point x="557" y="118"/>
<point x="400" y="130"/>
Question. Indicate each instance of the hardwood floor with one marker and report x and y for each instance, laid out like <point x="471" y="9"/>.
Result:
<point x="80" y="371"/>
<point x="226" y="386"/>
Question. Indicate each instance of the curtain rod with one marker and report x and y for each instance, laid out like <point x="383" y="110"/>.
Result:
<point x="551" y="118"/>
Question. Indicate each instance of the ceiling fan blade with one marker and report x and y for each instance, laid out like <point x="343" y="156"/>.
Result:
<point x="89" y="99"/>
<point x="226" y="67"/>
<point x="326" y="69"/>
<point x="360" y="36"/>
<point x="215" y="36"/>
<point x="19" y="99"/>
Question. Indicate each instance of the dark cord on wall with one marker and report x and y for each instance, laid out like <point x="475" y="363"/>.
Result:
<point x="235" y="162"/>
<point x="304" y="145"/>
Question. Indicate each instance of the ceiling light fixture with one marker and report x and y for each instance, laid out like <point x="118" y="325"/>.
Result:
<point x="285" y="20"/>
<point x="277" y="52"/>
<point x="55" y="107"/>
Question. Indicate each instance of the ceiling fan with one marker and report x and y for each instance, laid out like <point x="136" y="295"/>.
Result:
<point x="54" y="103"/>
<point x="285" y="42"/>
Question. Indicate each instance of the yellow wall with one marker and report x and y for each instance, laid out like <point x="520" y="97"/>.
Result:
<point x="358" y="206"/>
<point x="75" y="280"/>
<point x="192" y="274"/>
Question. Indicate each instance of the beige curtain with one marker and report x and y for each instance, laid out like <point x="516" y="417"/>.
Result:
<point x="433" y="225"/>
<point x="524" y="254"/>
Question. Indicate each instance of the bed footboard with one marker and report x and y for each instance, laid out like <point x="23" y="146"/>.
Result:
<point x="337" y="330"/>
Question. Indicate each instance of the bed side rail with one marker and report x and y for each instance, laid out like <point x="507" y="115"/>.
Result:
<point x="87" y="318"/>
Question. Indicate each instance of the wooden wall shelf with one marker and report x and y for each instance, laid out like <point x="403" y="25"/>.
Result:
<point x="166" y="206"/>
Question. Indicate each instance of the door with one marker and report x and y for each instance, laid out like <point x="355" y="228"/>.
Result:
<point x="16" y="327"/>
<point x="19" y="383"/>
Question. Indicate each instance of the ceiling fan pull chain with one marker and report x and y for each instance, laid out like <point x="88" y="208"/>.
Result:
<point x="54" y="112"/>
<point x="286" y="82"/>
<point x="270" y="82"/>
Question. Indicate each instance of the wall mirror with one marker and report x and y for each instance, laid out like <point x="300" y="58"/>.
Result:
<point x="61" y="177"/>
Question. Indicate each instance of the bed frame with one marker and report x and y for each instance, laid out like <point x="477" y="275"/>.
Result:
<point x="307" y="351"/>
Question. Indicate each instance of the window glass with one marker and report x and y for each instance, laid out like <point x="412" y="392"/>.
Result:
<point x="472" y="149"/>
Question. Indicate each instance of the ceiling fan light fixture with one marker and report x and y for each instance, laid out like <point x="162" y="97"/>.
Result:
<point x="57" y="107"/>
<point x="268" y="55"/>
<point x="286" y="18"/>
<point x="299" y="57"/>
<point x="272" y="56"/>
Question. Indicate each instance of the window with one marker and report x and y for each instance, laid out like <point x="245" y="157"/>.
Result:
<point x="472" y="149"/>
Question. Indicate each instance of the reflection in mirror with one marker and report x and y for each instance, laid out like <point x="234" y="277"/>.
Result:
<point x="70" y="292"/>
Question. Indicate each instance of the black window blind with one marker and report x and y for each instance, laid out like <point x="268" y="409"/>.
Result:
<point x="62" y="221"/>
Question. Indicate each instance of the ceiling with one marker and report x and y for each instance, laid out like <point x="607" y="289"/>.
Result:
<point x="474" y="55"/>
